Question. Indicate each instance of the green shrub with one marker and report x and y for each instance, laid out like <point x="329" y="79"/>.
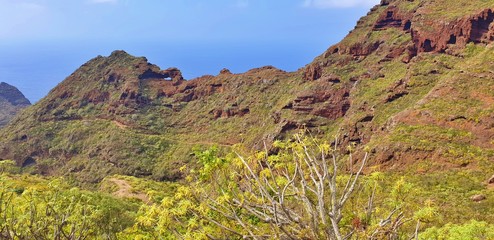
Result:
<point x="473" y="230"/>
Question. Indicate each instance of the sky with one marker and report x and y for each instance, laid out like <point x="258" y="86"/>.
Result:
<point x="44" y="41"/>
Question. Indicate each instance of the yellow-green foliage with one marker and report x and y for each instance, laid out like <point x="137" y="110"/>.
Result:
<point x="9" y="166"/>
<point x="180" y="216"/>
<point x="207" y="205"/>
<point x="211" y="204"/>
<point x="33" y="208"/>
<point x="472" y="230"/>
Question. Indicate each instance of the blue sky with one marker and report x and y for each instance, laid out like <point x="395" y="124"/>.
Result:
<point x="43" y="41"/>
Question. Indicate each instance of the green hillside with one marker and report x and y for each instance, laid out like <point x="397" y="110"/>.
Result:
<point x="389" y="79"/>
<point x="411" y="86"/>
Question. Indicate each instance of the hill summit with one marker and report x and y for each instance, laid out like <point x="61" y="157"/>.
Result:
<point x="11" y="101"/>
<point x="412" y="83"/>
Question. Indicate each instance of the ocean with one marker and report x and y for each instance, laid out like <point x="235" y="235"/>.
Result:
<point x="35" y="68"/>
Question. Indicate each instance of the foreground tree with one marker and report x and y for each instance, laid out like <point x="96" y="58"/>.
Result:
<point x="57" y="211"/>
<point x="307" y="189"/>
<point x="300" y="192"/>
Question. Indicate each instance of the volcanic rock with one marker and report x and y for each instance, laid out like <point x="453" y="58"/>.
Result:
<point x="312" y="72"/>
<point x="225" y="71"/>
<point x="477" y="28"/>
<point x="403" y="83"/>
<point x="392" y="18"/>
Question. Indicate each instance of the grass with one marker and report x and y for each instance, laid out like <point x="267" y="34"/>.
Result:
<point x="80" y="140"/>
<point x="451" y="146"/>
<point x="72" y="136"/>
<point x="454" y="9"/>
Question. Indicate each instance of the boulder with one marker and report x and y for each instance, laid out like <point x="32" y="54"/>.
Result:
<point x="478" y="198"/>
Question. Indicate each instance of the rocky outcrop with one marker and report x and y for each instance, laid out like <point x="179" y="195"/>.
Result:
<point x="358" y="86"/>
<point x="323" y="100"/>
<point x="361" y="49"/>
<point x="312" y="72"/>
<point x="170" y="73"/>
<point x="194" y="89"/>
<point x="207" y="85"/>
<point x="225" y="71"/>
<point x="392" y="18"/>
<point x="477" y="29"/>
<point x="427" y="35"/>
<point x="435" y="36"/>
<point x="396" y="91"/>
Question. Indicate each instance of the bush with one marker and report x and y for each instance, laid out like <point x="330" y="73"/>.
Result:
<point x="473" y="230"/>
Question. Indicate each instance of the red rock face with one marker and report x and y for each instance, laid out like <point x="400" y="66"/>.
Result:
<point x="323" y="100"/>
<point x="194" y="89"/>
<point x="312" y="72"/>
<point x="439" y="35"/>
<point x="428" y="36"/>
<point x="392" y="18"/>
<point x="477" y="29"/>
<point x="207" y="85"/>
<point x="357" y="49"/>
<point x="482" y="28"/>
<point x="361" y="49"/>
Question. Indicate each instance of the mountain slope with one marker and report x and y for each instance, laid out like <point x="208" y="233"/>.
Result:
<point x="11" y="102"/>
<point x="412" y="82"/>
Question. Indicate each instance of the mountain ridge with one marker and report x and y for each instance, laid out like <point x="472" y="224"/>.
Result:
<point x="11" y="102"/>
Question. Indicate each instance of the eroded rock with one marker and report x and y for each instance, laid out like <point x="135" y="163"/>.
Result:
<point x="323" y="100"/>
<point x="392" y="18"/>
<point x="477" y="28"/>
<point x="312" y="72"/>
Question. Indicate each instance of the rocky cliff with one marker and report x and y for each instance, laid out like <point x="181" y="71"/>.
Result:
<point x="11" y="102"/>
<point x="412" y="83"/>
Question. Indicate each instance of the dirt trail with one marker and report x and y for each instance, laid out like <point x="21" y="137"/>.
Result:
<point x="120" y="124"/>
<point x="125" y="190"/>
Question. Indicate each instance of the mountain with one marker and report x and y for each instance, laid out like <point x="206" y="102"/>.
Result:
<point x="11" y="102"/>
<point x="413" y="82"/>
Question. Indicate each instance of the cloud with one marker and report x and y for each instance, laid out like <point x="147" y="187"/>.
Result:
<point x="103" y="1"/>
<point x="339" y="3"/>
